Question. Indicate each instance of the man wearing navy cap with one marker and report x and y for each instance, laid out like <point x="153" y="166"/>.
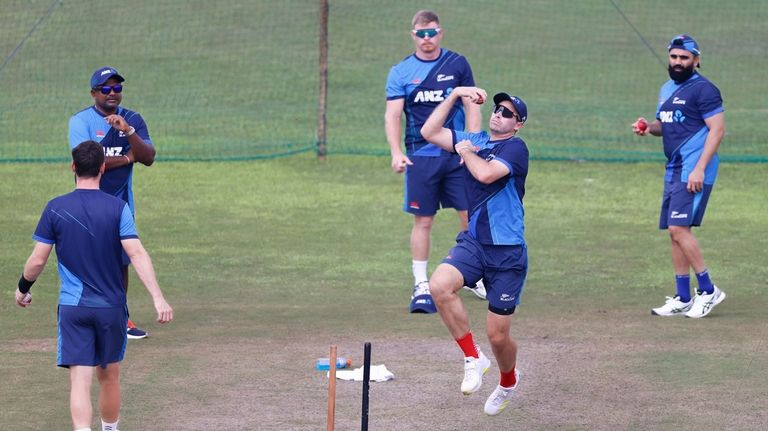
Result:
<point x="125" y="139"/>
<point x="493" y="246"/>
<point x="690" y="120"/>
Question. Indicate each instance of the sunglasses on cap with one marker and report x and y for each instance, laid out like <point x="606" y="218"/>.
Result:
<point x="505" y="112"/>
<point x="426" y="32"/>
<point x="106" y="89"/>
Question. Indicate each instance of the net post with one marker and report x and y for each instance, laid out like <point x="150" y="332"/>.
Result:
<point x="323" y="92"/>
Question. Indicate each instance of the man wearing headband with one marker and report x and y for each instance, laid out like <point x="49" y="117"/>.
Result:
<point x="690" y="120"/>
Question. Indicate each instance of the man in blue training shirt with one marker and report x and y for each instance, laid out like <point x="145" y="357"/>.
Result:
<point x="90" y="230"/>
<point x="493" y="247"/>
<point x="433" y="177"/>
<point x="690" y="120"/>
<point x="125" y="139"/>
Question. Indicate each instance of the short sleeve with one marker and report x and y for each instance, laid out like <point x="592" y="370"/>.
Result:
<point x="45" y="231"/>
<point x="127" y="224"/>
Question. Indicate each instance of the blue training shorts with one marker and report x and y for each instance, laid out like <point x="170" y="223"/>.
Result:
<point x="432" y="183"/>
<point x="91" y="336"/>
<point x="680" y="207"/>
<point x="503" y="269"/>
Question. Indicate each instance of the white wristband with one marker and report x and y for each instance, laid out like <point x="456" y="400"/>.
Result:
<point x="130" y="132"/>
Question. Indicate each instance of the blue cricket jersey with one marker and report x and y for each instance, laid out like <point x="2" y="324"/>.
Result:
<point x="682" y="110"/>
<point x="89" y="125"/>
<point x="86" y="227"/>
<point x="496" y="210"/>
<point x="424" y="84"/>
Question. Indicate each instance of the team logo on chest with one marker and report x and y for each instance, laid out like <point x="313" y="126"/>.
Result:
<point x="429" y="96"/>
<point x="675" y="116"/>
<point x="113" y="151"/>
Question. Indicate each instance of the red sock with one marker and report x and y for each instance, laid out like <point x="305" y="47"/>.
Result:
<point x="508" y="379"/>
<point x="467" y="344"/>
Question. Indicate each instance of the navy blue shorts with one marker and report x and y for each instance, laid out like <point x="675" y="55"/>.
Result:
<point x="679" y="207"/>
<point x="91" y="336"/>
<point x="432" y="183"/>
<point x="503" y="269"/>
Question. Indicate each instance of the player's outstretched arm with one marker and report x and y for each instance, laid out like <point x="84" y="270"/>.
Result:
<point x="146" y="272"/>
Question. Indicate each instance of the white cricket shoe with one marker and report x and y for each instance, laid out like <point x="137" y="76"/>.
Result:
<point x="474" y="369"/>
<point x="422" y="288"/>
<point x="704" y="303"/>
<point x="501" y="397"/>
<point x="673" y="307"/>
<point x="478" y="290"/>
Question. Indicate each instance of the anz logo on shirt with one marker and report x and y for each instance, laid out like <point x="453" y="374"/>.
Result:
<point x="675" y="116"/>
<point x="429" y="96"/>
<point x="113" y="151"/>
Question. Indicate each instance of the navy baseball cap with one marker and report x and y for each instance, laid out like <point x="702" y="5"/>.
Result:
<point x="686" y="42"/>
<point x="520" y="107"/>
<point x="103" y="74"/>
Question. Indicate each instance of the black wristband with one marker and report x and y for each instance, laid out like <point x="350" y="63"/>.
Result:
<point x="24" y="284"/>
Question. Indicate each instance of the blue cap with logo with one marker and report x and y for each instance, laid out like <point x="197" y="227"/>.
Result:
<point x="103" y="74"/>
<point x="520" y="107"/>
<point x="686" y="42"/>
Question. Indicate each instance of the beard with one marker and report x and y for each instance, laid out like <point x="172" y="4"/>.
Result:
<point x="682" y="74"/>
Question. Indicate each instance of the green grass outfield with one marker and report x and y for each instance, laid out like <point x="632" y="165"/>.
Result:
<point x="268" y="263"/>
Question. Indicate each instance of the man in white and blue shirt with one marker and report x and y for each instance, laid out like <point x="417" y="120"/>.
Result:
<point x="690" y="120"/>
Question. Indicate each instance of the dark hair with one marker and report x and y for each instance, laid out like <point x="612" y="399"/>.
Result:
<point x="88" y="157"/>
<point x="424" y="17"/>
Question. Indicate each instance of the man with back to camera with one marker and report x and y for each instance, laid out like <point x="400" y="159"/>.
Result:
<point x="690" y="120"/>
<point x="125" y="138"/>
<point x="91" y="231"/>
<point x="433" y="177"/>
<point x="493" y="247"/>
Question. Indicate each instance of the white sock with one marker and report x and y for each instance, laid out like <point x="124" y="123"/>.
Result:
<point x="83" y="429"/>
<point x="419" y="271"/>
<point x="109" y="426"/>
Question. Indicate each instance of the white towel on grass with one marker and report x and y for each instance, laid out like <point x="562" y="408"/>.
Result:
<point x="379" y="373"/>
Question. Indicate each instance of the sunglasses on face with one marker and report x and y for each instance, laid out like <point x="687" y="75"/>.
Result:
<point x="106" y="89"/>
<point x="426" y="32"/>
<point x="505" y="112"/>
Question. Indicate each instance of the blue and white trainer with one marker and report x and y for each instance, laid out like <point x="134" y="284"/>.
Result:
<point x="703" y="303"/>
<point x="421" y="300"/>
<point x="673" y="307"/>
